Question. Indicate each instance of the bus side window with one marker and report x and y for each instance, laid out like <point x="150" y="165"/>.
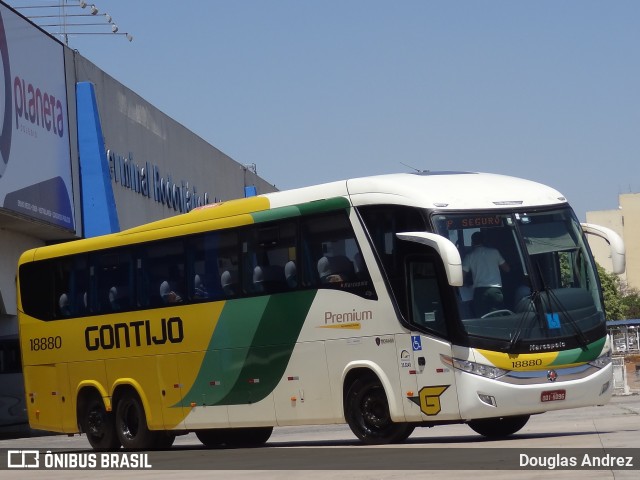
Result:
<point x="222" y="258"/>
<point x="335" y="261"/>
<point x="62" y="279"/>
<point x="114" y="280"/>
<point x="267" y="250"/>
<point x="36" y="289"/>
<point x="425" y="301"/>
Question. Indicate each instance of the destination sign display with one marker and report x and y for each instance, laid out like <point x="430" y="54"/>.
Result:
<point x="474" y="221"/>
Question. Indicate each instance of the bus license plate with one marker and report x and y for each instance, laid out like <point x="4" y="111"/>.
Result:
<point x="553" y="395"/>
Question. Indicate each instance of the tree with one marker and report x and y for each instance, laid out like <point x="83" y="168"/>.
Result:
<point x="631" y="302"/>
<point x="612" y="291"/>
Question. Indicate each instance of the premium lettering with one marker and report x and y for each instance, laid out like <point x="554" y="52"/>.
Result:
<point x="347" y="317"/>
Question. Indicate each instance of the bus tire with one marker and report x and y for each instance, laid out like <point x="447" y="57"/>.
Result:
<point x="131" y="424"/>
<point x="498" y="427"/>
<point x="164" y="440"/>
<point x="212" y="437"/>
<point x="97" y="423"/>
<point x="367" y="413"/>
<point x="248" y="437"/>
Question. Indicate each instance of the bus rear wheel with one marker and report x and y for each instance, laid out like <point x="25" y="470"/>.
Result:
<point x="98" y="424"/>
<point x="367" y="413"/>
<point x="498" y="427"/>
<point x="131" y="424"/>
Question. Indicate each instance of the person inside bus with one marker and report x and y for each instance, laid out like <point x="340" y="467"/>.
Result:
<point x="199" y="289"/>
<point x="335" y="269"/>
<point x="168" y="289"/>
<point x="168" y="295"/>
<point x="485" y="264"/>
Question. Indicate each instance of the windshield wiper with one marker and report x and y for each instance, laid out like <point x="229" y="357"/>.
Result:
<point x="531" y="309"/>
<point x="583" y="341"/>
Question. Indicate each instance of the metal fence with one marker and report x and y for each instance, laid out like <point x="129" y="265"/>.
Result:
<point x="620" y="384"/>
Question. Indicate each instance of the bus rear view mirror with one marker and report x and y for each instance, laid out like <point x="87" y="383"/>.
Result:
<point x="446" y="249"/>
<point x="616" y="244"/>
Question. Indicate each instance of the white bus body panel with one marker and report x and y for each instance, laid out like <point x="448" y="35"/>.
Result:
<point x="526" y="399"/>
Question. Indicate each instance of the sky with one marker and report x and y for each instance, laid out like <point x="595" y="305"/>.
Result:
<point x="313" y="91"/>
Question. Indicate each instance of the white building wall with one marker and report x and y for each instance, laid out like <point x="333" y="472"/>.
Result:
<point x="625" y="221"/>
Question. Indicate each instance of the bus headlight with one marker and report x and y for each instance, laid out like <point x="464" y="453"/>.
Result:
<point x="602" y="361"/>
<point x="468" y="366"/>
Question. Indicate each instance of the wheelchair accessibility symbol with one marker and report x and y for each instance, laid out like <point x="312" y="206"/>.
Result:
<point x="416" y="343"/>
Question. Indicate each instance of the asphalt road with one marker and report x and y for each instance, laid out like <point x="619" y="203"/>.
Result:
<point x="552" y="441"/>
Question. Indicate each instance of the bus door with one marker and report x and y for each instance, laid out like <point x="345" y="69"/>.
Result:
<point x="435" y="394"/>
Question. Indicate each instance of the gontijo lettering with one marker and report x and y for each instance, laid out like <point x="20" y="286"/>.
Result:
<point x="136" y="333"/>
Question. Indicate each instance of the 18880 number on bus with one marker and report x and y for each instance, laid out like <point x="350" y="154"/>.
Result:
<point x="45" y="343"/>
<point x="527" y="363"/>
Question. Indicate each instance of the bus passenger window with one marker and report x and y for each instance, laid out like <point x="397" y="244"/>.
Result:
<point x="266" y="251"/>
<point x="268" y="279"/>
<point x="425" y="301"/>
<point x="332" y="256"/>
<point x="114" y="280"/>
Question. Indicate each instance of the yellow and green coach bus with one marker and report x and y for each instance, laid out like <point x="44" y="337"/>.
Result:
<point x="346" y="302"/>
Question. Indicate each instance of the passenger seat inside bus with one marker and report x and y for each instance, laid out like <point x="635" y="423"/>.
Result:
<point x="114" y="300"/>
<point x="335" y="269"/>
<point x="229" y="282"/>
<point x="63" y="303"/>
<point x="268" y="278"/>
<point x="291" y="274"/>
<point x="199" y="288"/>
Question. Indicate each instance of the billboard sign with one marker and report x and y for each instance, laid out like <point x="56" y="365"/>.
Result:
<point x="35" y="160"/>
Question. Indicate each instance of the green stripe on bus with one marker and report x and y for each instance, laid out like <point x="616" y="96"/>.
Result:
<point x="250" y="349"/>
<point x="578" y="355"/>
<point x="275" y="214"/>
<point x="318" y="206"/>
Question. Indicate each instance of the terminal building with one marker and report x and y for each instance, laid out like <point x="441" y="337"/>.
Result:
<point x="82" y="155"/>
<point x="625" y="221"/>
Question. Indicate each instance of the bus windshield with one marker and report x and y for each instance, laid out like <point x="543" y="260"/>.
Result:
<point x="530" y="282"/>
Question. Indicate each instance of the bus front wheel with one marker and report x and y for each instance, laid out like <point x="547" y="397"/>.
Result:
<point x="97" y="423"/>
<point x="131" y="424"/>
<point x="367" y="413"/>
<point x="213" y="437"/>
<point x="498" y="427"/>
<point x="248" y="437"/>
